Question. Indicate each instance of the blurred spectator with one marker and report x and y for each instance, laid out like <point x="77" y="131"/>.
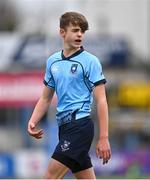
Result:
<point x="8" y="16"/>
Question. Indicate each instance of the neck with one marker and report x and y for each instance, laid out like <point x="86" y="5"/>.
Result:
<point x="67" y="51"/>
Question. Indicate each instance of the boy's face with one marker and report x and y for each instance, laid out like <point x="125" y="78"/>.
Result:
<point x="72" y="36"/>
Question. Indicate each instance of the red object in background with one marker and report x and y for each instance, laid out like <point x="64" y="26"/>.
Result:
<point x="20" y="89"/>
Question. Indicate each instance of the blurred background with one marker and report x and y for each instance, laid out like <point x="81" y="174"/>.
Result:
<point x="119" y="35"/>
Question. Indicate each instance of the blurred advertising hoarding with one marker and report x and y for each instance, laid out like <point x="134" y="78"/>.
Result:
<point x="6" y="165"/>
<point x="123" y="163"/>
<point x="30" y="164"/>
<point x="31" y="51"/>
<point x="134" y="94"/>
<point x="20" y="89"/>
<point x="130" y="95"/>
<point x="33" y="163"/>
<point x="9" y="43"/>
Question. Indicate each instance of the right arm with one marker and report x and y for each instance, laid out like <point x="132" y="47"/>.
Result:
<point x="40" y="109"/>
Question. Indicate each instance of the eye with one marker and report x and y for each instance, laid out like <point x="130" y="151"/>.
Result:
<point x="75" y="30"/>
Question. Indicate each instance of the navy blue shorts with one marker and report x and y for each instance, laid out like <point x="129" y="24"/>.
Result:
<point x="75" y="139"/>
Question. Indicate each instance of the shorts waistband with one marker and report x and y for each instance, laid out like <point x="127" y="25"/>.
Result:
<point x="83" y="118"/>
<point x="73" y="119"/>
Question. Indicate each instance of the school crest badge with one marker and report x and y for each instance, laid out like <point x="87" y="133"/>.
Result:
<point x="65" y="146"/>
<point x="74" y="68"/>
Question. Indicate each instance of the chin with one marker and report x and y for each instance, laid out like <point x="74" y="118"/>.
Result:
<point x="77" y="46"/>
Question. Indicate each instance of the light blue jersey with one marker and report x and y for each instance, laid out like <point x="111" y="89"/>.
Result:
<point x="73" y="79"/>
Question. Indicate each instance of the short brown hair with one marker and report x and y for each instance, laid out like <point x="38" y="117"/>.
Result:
<point x="74" y="18"/>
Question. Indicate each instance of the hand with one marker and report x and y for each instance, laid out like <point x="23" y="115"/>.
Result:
<point x="103" y="150"/>
<point x="38" y="134"/>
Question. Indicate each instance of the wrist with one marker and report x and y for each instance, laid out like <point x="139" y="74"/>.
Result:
<point x="103" y="137"/>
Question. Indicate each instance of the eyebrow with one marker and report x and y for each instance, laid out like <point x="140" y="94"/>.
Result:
<point x="76" y="28"/>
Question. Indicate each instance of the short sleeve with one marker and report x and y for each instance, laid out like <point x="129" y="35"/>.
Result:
<point x="48" y="78"/>
<point x="95" y="73"/>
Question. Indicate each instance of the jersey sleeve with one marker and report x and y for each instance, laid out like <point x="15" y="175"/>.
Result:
<point x="95" y="73"/>
<point x="48" y="78"/>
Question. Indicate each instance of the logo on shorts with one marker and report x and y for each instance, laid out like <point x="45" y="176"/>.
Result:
<point x="65" y="146"/>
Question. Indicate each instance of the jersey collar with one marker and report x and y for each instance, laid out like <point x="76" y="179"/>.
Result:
<point x="73" y="55"/>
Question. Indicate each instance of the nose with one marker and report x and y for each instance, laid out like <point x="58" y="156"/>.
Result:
<point x="79" y="33"/>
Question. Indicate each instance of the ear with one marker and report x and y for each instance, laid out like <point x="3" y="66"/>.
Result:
<point x="62" y="32"/>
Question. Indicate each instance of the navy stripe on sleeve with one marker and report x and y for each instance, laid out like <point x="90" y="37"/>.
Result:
<point x="103" y="81"/>
<point x="46" y="83"/>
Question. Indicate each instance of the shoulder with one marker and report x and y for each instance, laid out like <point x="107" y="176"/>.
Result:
<point x="91" y="57"/>
<point x="54" y="57"/>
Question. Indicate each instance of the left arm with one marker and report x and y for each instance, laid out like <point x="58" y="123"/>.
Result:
<point x="103" y="147"/>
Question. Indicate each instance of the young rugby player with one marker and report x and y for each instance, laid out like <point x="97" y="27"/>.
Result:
<point x="76" y="76"/>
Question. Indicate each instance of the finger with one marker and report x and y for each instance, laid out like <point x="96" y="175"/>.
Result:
<point x="100" y="154"/>
<point x="32" y="133"/>
<point x="30" y="129"/>
<point x="106" y="161"/>
<point x="38" y="136"/>
<point x="108" y="154"/>
<point x="104" y="157"/>
<point x="35" y="132"/>
<point x="104" y="154"/>
<point x="39" y="132"/>
<point x="97" y="152"/>
<point x="32" y="125"/>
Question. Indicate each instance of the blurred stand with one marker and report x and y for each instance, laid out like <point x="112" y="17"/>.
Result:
<point x="28" y="36"/>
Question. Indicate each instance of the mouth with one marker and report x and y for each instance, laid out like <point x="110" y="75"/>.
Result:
<point x="78" y="40"/>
